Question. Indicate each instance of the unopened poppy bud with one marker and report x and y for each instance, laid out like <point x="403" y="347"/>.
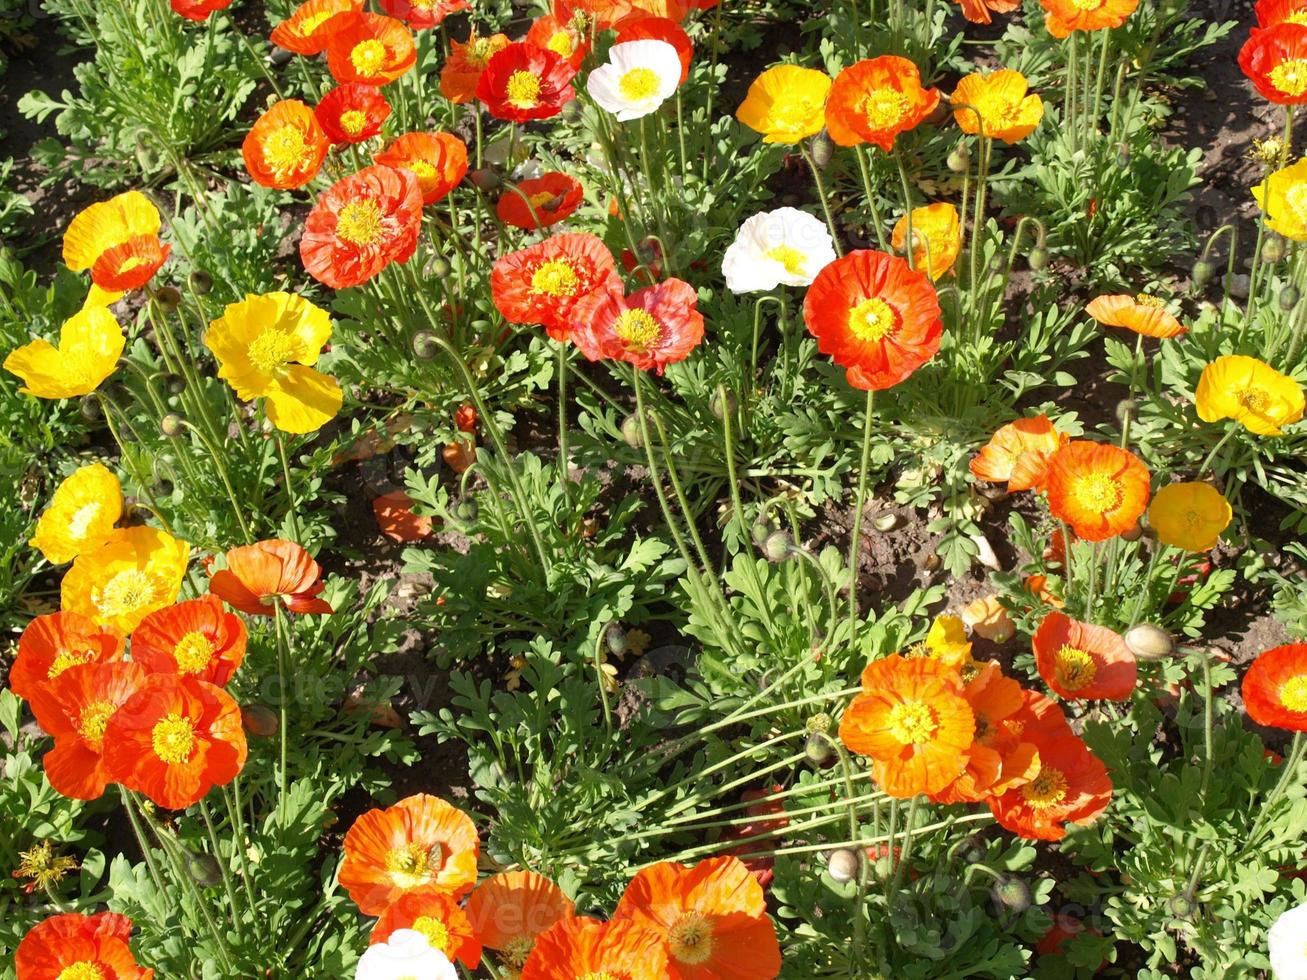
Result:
<point x="171" y="425"/>
<point x="484" y="179"/>
<point x="174" y="384"/>
<point x="1289" y="297"/>
<point x="201" y="282"/>
<point x="615" y="637"/>
<point x="777" y="547"/>
<point x="817" y="749"/>
<point x="721" y="407"/>
<point x="281" y="56"/>
<point x="842" y="864"/>
<point x="439" y="267"/>
<point x="467" y="510"/>
<point x="1238" y="285"/>
<point x="259" y="719"/>
<point x="204" y="869"/>
<point x="424" y="345"/>
<point x="90" y="408"/>
<point x="1133" y="533"/>
<point x="1149" y="642"/>
<point x="959" y="161"/>
<point x="1126" y="409"/>
<point x="1273" y="249"/>
<point x="822" y="150"/>
<point x="169" y="297"/>
<point x="1012" y="893"/>
<point x="761" y="532"/>
<point x="1038" y="258"/>
<point x="632" y="434"/>
<point x="1203" y="272"/>
<point x="1181" y="905"/>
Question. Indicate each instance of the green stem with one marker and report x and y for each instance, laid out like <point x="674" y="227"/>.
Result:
<point x="860" y="500"/>
<point x="236" y="918"/>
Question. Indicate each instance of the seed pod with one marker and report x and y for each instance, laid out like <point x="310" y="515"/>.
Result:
<point x="842" y="864"/>
<point x="1011" y="893"/>
<point x="1038" y="258"/>
<point x="959" y="161"/>
<point x="615" y="637"/>
<point x="632" y="434"/>
<point x="171" y="425"/>
<point x="204" y="868"/>
<point x="259" y="719"/>
<point x="1149" y="642"/>
<point x="424" y="345"/>
<point x="1203" y="272"/>
<point x="169" y="297"/>
<point x="720" y="410"/>
<point x="201" y="282"/>
<point x="778" y="545"/>
<point x="1289" y="297"/>
<point x="817" y="749"/>
<point x="822" y="150"/>
<point x="466" y="510"/>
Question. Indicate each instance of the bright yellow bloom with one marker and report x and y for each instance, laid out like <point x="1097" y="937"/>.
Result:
<point x="265" y="346"/>
<point x="134" y="572"/>
<point x="98" y="296"/>
<point x="1189" y="515"/>
<point x="936" y="238"/>
<point x="1251" y="392"/>
<point x="786" y="104"/>
<point x="81" y="515"/>
<point x="1283" y="197"/>
<point x="1006" y="111"/>
<point x="90" y="344"/>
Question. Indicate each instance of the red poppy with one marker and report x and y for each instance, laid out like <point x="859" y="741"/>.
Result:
<point x="541" y="201"/>
<point x="1072" y="786"/>
<point x="1275" y="61"/>
<point x="587" y="948"/>
<point x="875" y="316"/>
<point x="256" y="574"/>
<point x="466" y="63"/>
<point x="361" y="224"/>
<point x="52" y="643"/>
<point x="561" y="37"/>
<point x="423" y="14"/>
<point x="438" y="160"/>
<point x="639" y="27"/>
<point x="285" y="147"/>
<point x="352" y="113"/>
<point x="509" y="910"/>
<point x="650" y="328"/>
<point x="1275" y="688"/>
<point x="79" y="947"/>
<point x="873" y="101"/>
<point x="196" y="637"/>
<point x="435" y="914"/>
<point x="198" y="9"/>
<point x="523" y="82"/>
<point x="1272" y="12"/>
<point x="1100" y="490"/>
<point x="1081" y="661"/>
<point x="372" y="49"/>
<point x="544" y="282"/>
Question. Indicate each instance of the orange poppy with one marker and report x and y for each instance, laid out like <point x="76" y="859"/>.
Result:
<point x="1072" y="787"/>
<point x="198" y="10"/>
<point x="466" y="63"/>
<point x="562" y="37"/>
<point x="196" y="637"/>
<point x="422" y="15"/>
<point x="311" y="25"/>
<point x="1040" y="720"/>
<point x="1081" y="661"/>
<point x="50" y="644"/>
<point x="876" y="317"/>
<point x="1272" y="12"/>
<point x="873" y="101"/>
<point x="509" y="910"/>
<point x="175" y="739"/>
<point x="437" y="916"/>
<point x="588" y="948"/>
<point x="1275" y="688"/>
<point x="79" y="947"/>
<point x="361" y="224"/>
<point x="650" y="328"/>
<point x="522" y="82"/>
<point x="420" y="842"/>
<point x="118" y="241"/>
<point x="285" y="147"/>
<point x="711" y="917"/>
<point x="1064" y="16"/>
<point x="1000" y="757"/>
<point x="543" y="283"/>
<point x="352" y="113"/>
<point x="74" y="711"/>
<point x="552" y="196"/>
<point x="1099" y="490"/>
<point x="1275" y="61"/>
<point x="642" y="27"/>
<point x="257" y="574"/>
<point x="1143" y="314"/>
<point x="1018" y="454"/>
<point x="438" y="160"/>
<point x="978" y="11"/>
<point x="372" y="49"/>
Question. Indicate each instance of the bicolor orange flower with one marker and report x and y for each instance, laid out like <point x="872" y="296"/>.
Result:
<point x="978" y="11"/>
<point x="82" y="513"/>
<point x="1000" y="101"/>
<point x="75" y="711"/>
<point x="1100" y="490"/>
<point x="1064" y="16"/>
<point x="438" y="160"/>
<point x="543" y="283"/>
<point x="361" y="224"/>
<point x="79" y="947"/>
<point x="308" y="29"/>
<point x="913" y="722"/>
<point x="523" y="82"/>
<point x="134" y="572"/>
<point x="540" y="201"/>
<point x="285" y="147"/>
<point x="174" y="740"/>
<point x="1000" y="757"/>
<point x="936" y="238"/>
<point x="420" y="842"/>
<point x="51" y="644"/>
<point x="509" y="910"/>
<point x="1275" y="688"/>
<point x="876" y="318"/>
<point x="644" y="27"/>
<point x="1143" y="314"/>
<point x="466" y="63"/>
<point x="1083" y="662"/>
<point x="118" y="240"/>
<point x="422" y="15"/>
<point x="650" y="329"/>
<point x="352" y="113"/>
<point x="562" y="37"/>
<point x="1072" y="787"/>
<point x="875" y="100"/>
<point x="198" y="10"/>
<point x="1272" y="12"/>
<point x="372" y="49"/>
<point x="258" y="574"/>
<point x="1018" y="454"/>
<point x="583" y="947"/>
<point x="437" y="916"/>
<point x="1275" y="61"/>
<point x="197" y="638"/>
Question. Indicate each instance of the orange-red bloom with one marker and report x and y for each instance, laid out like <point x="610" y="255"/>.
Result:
<point x="552" y="197"/>
<point x="285" y="147"/>
<point x="352" y="113"/>
<point x="523" y="82"/>
<point x="562" y="37"/>
<point x="308" y="29"/>
<point x="79" y="947"/>
<point x="978" y="11"/>
<point x="437" y="915"/>
<point x="438" y="160"/>
<point x="509" y="910"/>
<point x="421" y="842"/>
<point x="1081" y="661"/>
<point x="875" y="316"/>
<point x="586" y="948"/>
<point x="361" y="224"/>
<point x="650" y="328"/>
<point x="1072" y="786"/>
<point x="1275" y="688"/>
<point x="1099" y="490"/>
<point x="1018" y="454"/>
<point x="542" y="283"/>
<point x="1000" y="757"/>
<point x="1143" y="314"/>
<point x="52" y="643"/>
<point x="174" y="740"/>
<point x="641" y="27"/>
<point x="423" y="14"/>
<point x="1275" y="61"/>
<point x="198" y="9"/>
<point x="1272" y="12"/>
<point x="1064" y="16"/>
<point x="257" y="574"/>
<point x="196" y="637"/>
<point x="372" y="49"/>
<point x="873" y="101"/>
<point x="466" y="63"/>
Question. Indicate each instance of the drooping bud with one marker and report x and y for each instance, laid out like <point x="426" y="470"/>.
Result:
<point x="1273" y="249"/>
<point x="169" y="297"/>
<point x="959" y="161"/>
<point x="1011" y="893"/>
<point x="204" y="869"/>
<point x="822" y="150"/>
<point x="424" y="345"/>
<point x="439" y="267"/>
<point x="1289" y="297"/>
<point x="1203" y="272"/>
<point x="466" y="510"/>
<point x="632" y="434"/>
<point x="778" y="546"/>
<point x="720" y="407"/>
<point x="842" y="864"/>
<point x="201" y="282"/>
<point x="259" y="719"/>
<point x="1038" y="258"/>
<point x="171" y="425"/>
<point x="1126" y="409"/>
<point x="817" y="749"/>
<point x="1149" y="642"/>
<point x="615" y="637"/>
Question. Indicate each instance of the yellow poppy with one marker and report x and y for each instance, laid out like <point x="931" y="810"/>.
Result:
<point x="265" y="346"/>
<point x="1189" y="515"/>
<point x="1283" y="197"/>
<point x="1251" y="392"/>
<point x="1000" y="98"/>
<point x="136" y="571"/>
<point x="82" y="513"/>
<point x="936" y="238"/>
<point x="786" y="104"/>
<point x="947" y="641"/>
<point x="103" y="298"/>
<point x="90" y="344"/>
<point x="118" y="240"/>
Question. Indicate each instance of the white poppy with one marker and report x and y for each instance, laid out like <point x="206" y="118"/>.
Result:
<point x="1287" y="945"/>
<point x="405" y="956"/>
<point x="785" y="246"/>
<point x="638" y="78"/>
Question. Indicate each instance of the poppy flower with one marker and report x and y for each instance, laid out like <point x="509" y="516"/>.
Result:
<point x="1083" y="662"/>
<point x="999" y="98"/>
<point x="361" y="224"/>
<point x="1064" y="16"/>
<point x="1072" y="787"/>
<point x="82" y="513"/>
<point x="266" y="347"/>
<point x="311" y="25"/>
<point x="79" y="947"/>
<point x="650" y="328"/>
<point x="1284" y="946"/>
<point x="466" y="63"/>
<point x="51" y="644"/>
<point x="979" y="11"/>
<point x="786" y="104"/>
<point x="438" y="917"/>
<point x="196" y="637"/>
<point x="712" y="918"/>
<point x="438" y="160"/>
<point x="640" y="27"/>
<point x="583" y="947"/>
<point x="1282" y="196"/>
<point x="936" y="239"/>
<point x="522" y="82"/>
<point x="396" y="519"/>
<point x="552" y="197"/>
<point x="422" y="15"/>
<point x="352" y="113"/>
<point x="407" y="955"/>
<point x="1272" y="12"/>
<point x="135" y="571"/>
<point x="1251" y="392"/>
<point x="1099" y="490"/>
<point x="509" y="910"/>
<point x="372" y="49"/>
<point x="1275" y="688"/>
<point x="543" y="283"/>
<point x="285" y="147"/>
<point x="118" y="240"/>
<point x="1018" y="454"/>
<point x="198" y="10"/>
<point x="1000" y="757"/>
<point x="175" y="739"/>
<point x="1190" y="516"/>
<point x="257" y="574"/>
<point x="782" y="247"/>
<point x="875" y="100"/>
<point x="420" y="842"/>
<point x="876" y="318"/>
<point x="913" y="722"/>
<point x="947" y="643"/>
<point x="90" y="343"/>
<point x="1143" y="314"/>
<point x="561" y="37"/>
<point x="1275" y="61"/>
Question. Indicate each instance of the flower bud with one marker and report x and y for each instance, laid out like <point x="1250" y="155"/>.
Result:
<point x="204" y="869"/>
<point x="1126" y="409"/>
<point x="817" y="749"/>
<point x="169" y="297"/>
<point x="1289" y="297"/>
<point x="959" y="161"/>
<point x="171" y="425"/>
<point x="1011" y="893"/>
<point x="632" y="434"/>
<point x="260" y="720"/>
<point x="615" y="637"/>
<point x="1038" y="258"/>
<point x="1149" y="642"/>
<point x="822" y="150"/>
<point x="842" y="864"/>
<point x="777" y="547"/>
<point x="174" y="384"/>
<point x="720" y="407"/>
<point x="466" y="510"/>
<point x="90" y="408"/>
<point x="424" y="345"/>
<point x="201" y="282"/>
<point x="1273" y="249"/>
<point x="760" y="532"/>
<point x="1181" y="905"/>
<point x="1203" y="272"/>
<point x="439" y="267"/>
<point x="1133" y="533"/>
<point x="820" y="722"/>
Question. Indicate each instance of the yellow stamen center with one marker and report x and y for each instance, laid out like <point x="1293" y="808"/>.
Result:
<point x="884" y="108"/>
<point x="912" y="722"/>
<point x="1293" y="693"/>
<point x="1046" y="790"/>
<point x="93" y="721"/>
<point x="414" y="864"/>
<point x="128" y="591"/>
<point x="284" y="148"/>
<point x="638" y="328"/>
<point x="523" y="90"/>
<point x="353" y="121"/>
<point x="368" y="56"/>
<point x="1087" y="4"/>
<point x="794" y="261"/>
<point x="359" y="222"/>
<point x="690" y="939"/>
<point x="66" y="659"/>
<point x="1290" y="77"/>
<point x="602" y="975"/>
<point x="873" y="319"/>
<point x="561" y="43"/>
<point x="516" y="950"/>
<point x="81" y="970"/>
<point x="638" y="84"/>
<point x="436" y="932"/>
<point x="1253" y="399"/>
<point x="796" y="114"/>
<point x="422" y="169"/>
<point x="555" y="278"/>
<point x="1143" y="299"/>
<point x="478" y="51"/>
<point x="270" y="351"/>
<point x="173" y="739"/>
<point x="311" y="23"/>
<point x="540" y="198"/>
<point x="1098" y="493"/>
<point x="1297" y="17"/>
<point x="1074" y="668"/>
<point x="193" y="653"/>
